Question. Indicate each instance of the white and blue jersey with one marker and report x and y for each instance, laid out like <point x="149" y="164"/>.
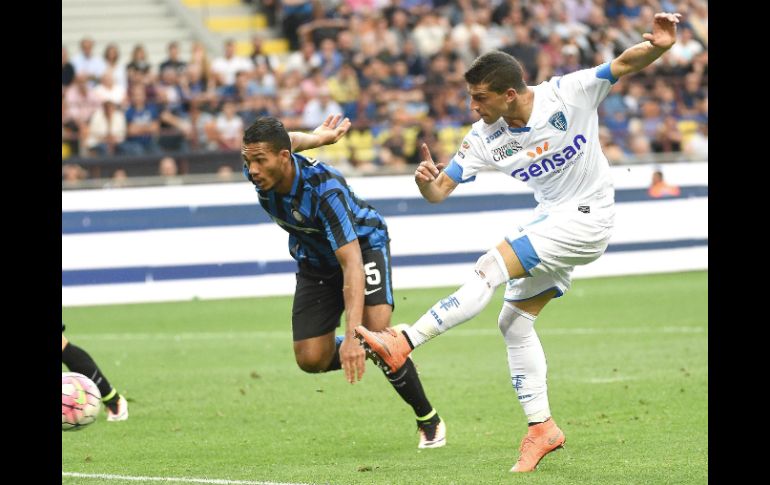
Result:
<point x="321" y="213"/>
<point x="559" y="156"/>
<point x="557" y="153"/>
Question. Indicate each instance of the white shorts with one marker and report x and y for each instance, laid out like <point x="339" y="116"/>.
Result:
<point x="553" y="243"/>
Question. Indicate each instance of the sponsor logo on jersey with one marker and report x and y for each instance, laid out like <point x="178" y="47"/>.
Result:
<point x="463" y="146"/>
<point x="558" y="121"/>
<point x="538" y="150"/>
<point x="494" y="135"/>
<point x="555" y="163"/>
<point x="507" y="150"/>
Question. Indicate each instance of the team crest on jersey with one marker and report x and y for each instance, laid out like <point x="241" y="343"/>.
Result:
<point x="558" y="121"/>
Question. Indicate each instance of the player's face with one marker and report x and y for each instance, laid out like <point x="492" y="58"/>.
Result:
<point x="487" y="103"/>
<point x="268" y="169"/>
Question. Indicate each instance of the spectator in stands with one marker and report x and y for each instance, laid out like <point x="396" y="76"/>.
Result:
<point x="544" y="68"/>
<point x="199" y="59"/>
<point x="169" y="170"/>
<point x="227" y="129"/>
<point x="571" y="60"/>
<point x="106" y="130"/>
<point x="659" y="188"/>
<point x="611" y="150"/>
<point x="87" y="64"/>
<point x="143" y="124"/>
<point x="640" y="147"/>
<point x="346" y="46"/>
<point x="318" y="109"/>
<point x="114" y="66"/>
<point x="428" y="134"/>
<point x="668" y="138"/>
<point x="119" y="179"/>
<point x="429" y="34"/>
<point x="699" y="21"/>
<point x="414" y="62"/>
<point x="173" y="60"/>
<point x="80" y="103"/>
<point x="225" y="173"/>
<point x="698" y="143"/>
<point x="173" y="104"/>
<point x="295" y="13"/>
<point x="344" y="89"/>
<point x="652" y="117"/>
<point x="462" y="33"/>
<point x="391" y="151"/>
<point x="686" y="48"/>
<point x="139" y="66"/>
<point x="72" y="174"/>
<point x="258" y="57"/>
<point x="524" y="50"/>
<point x="303" y="60"/>
<point x="291" y="101"/>
<point x="67" y="69"/>
<point x="692" y="93"/>
<point x="331" y="59"/>
<point x="400" y="26"/>
<point x="108" y="90"/>
<point x="224" y="68"/>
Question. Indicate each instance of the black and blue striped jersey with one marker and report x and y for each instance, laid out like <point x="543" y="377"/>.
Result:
<point x="321" y="213"/>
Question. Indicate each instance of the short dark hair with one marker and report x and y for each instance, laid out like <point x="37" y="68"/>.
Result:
<point x="498" y="70"/>
<point x="268" y="130"/>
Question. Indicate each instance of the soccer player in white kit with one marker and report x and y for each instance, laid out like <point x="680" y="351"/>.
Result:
<point x="548" y="137"/>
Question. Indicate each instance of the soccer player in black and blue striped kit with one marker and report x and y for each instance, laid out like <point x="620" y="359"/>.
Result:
<point x="342" y="249"/>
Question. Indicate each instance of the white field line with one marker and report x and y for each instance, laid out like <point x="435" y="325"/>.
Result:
<point x="215" y="481"/>
<point x="280" y="334"/>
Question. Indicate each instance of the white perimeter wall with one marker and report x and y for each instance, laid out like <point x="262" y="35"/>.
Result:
<point x="636" y="222"/>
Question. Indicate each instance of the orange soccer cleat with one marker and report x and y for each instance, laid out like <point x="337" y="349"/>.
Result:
<point x="388" y="348"/>
<point x="541" y="439"/>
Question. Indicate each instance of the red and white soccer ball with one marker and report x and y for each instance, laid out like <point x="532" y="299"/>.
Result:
<point x="80" y="401"/>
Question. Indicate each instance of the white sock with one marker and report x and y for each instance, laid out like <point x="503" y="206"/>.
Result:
<point x="526" y="362"/>
<point x="465" y="303"/>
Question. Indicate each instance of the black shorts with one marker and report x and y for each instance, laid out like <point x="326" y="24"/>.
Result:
<point x="318" y="301"/>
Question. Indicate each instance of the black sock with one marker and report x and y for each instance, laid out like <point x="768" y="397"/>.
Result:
<point x="407" y="384"/>
<point x="335" y="364"/>
<point x="539" y="422"/>
<point x="408" y="340"/>
<point x="78" y="360"/>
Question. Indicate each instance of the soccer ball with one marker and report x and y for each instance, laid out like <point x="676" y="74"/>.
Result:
<point x="80" y="401"/>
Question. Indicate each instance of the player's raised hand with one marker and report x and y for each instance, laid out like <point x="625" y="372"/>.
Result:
<point x="331" y="130"/>
<point x="352" y="359"/>
<point x="663" y="30"/>
<point x="427" y="170"/>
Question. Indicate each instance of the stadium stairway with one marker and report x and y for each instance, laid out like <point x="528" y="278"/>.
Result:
<point x="152" y="23"/>
<point x="234" y="19"/>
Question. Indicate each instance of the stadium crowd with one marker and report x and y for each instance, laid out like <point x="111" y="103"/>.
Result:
<point x="395" y="68"/>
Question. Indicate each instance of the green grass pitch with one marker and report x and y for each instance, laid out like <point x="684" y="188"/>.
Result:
<point x="215" y="394"/>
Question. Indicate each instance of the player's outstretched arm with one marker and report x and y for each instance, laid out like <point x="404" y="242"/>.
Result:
<point x="434" y="184"/>
<point x="352" y="355"/>
<point x="330" y="131"/>
<point x="637" y="57"/>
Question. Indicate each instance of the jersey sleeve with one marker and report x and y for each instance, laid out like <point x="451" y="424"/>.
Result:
<point x="468" y="160"/>
<point x="586" y="88"/>
<point x="337" y="219"/>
